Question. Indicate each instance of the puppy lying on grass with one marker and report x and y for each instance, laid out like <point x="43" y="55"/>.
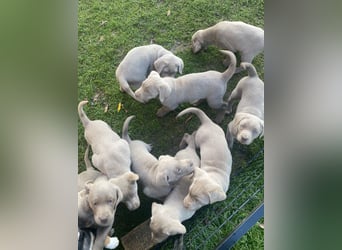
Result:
<point x="166" y="218"/>
<point x="158" y="176"/>
<point x="210" y="85"/>
<point x="140" y="61"/>
<point x="111" y="154"/>
<point x="248" y="122"/>
<point x="240" y="37"/>
<point x="211" y="180"/>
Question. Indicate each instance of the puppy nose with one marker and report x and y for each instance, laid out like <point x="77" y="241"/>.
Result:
<point x="104" y="220"/>
<point x="244" y="137"/>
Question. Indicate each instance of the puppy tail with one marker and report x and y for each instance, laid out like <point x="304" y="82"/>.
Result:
<point x="124" y="86"/>
<point x="230" y="71"/>
<point x="86" y="159"/>
<point x="83" y="117"/>
<point x="199" y="113"/>
<point x="125" y="135"/>
<point x="250" y="69"/>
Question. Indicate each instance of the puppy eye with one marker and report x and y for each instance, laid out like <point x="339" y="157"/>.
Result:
<point x="110" y="201"/>
<point x="95" y="203"/>
<point x="179" y="170"/>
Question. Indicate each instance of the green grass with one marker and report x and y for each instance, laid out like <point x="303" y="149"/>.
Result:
<point x="107" y="30"/>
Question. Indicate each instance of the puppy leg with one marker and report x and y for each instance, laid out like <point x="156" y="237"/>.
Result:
<point x="229" y="136"/>
<point x="163" y="111"/>
<point x="111" y="242"/>
<point x="236" y="94"/>
<point x="101" y="234"/>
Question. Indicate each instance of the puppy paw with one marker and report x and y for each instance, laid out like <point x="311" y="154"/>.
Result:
<point x="163" y="111"/>
<point x="111" y="242"/>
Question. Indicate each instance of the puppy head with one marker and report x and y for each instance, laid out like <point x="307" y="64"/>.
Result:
<point x="248" y="127"/>
<point x="197" y="41"/>
<point x="171" y="170"/>
<point x="129" y="188"/>
<point x="152" y="87"/>
<point x="169" y="65"/>
<point x="103" y="198"/>
<point x="163" y="226"/>
<point x="203" y="191"/>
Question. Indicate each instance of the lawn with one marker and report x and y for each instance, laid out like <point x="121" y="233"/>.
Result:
<point x="107" y="30"/>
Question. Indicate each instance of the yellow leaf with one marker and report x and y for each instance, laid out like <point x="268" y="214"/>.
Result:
<point x="119" y="106"/>
<point x="168" y="12"/>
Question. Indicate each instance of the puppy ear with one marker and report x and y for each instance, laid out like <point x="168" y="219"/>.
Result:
<point x="164" y="91"/>
<point x="154" y="73"/>
<point x="119" y="195"/>
<point x="133" y="177"/>
<point x="180" y="66"/>
<point x="154" y="207"/>
<point x="177" y="228"/>
<point x="159" y="65"/>
<point x="217" y="195"/>
<point x="88" y="185"/>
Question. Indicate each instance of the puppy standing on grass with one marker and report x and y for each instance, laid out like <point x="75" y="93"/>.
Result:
<point x="209" y="85"/>
<point x="240" y="37"/>
<point x="111" y="154"/>
<point x="211" y="180"/>
<point x="248" y="122"/>
<point x="140" y="61"/>
<point x="157" y="176"/>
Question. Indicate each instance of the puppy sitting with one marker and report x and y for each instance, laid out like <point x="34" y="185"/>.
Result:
<point x="166" y="219"/>
<point x="96" y="209"/>
<point x="157" y="176"/>
<point x="248" y="122"/>
<point x="139" y="62"/>
<point x="240" y="37"/>
<point x="209" y="85"/>
<point x="211" y="180"/>
<point x="111" y="154"/>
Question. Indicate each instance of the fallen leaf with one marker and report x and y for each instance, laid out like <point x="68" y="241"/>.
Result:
<point x="103" y="23"/>
<point x="119" y="106"/>
<point x="106" y="108"/>
<point x="168" y="12"/>
<point x="101" y="38"/>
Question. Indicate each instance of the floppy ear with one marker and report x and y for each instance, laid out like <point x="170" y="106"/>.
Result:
<point x="133" y="177"/>
<point x="159" y="65"/>
<point x="118" y="194"/>
<point x="180" y="66"/>
<point x="88" y="185"/>
<point x="177" y="228"/>
<point x="217" y="195"/>
<point x="155" y="206"/>
<point x="164" y="91"/>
